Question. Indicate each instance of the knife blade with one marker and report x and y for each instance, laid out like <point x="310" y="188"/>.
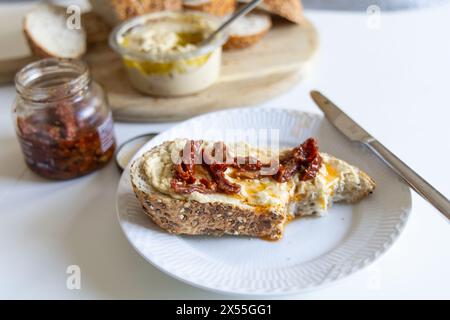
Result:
<point x="355" y="132"/>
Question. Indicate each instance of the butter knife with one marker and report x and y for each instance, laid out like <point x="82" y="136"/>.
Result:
<point x="355" y="133"/>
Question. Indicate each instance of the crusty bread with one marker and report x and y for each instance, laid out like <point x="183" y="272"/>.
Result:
<point x="291" y="10"/>
<point x="97" y="30"/>
<point x="353" y="193"/>
<point x="248" y="30"/>
<point x="218" y="8"/>
<point x="116" y="11"/>
<point x="190" y="217"/>
<point x="48" y="35"/>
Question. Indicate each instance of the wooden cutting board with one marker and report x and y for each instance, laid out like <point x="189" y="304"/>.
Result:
<point x="248" y="76"/>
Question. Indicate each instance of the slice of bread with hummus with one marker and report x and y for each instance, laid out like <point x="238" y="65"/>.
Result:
<point x="254" y="194"/>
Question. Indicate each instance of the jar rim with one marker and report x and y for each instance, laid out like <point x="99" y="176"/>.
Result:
<point x="52" y="79"/>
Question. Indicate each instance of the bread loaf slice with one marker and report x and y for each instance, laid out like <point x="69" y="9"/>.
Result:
<point x="49" y="35"/>
<point x="243" y="214"/>
<point x="218" y="8"/>
<point x="291" y="10"/>
<point x="116" y="11"/>
<point x="248" y="30"/>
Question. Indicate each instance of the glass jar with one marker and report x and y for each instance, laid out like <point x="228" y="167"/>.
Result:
<point x="62" y="120"/>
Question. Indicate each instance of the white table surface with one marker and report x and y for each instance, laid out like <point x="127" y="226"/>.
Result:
<point x="394" y="80"/>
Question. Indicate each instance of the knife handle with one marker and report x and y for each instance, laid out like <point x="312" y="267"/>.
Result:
<point x="422" y="187"/>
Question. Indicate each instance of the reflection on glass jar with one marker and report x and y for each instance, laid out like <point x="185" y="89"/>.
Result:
<point x="62" y="120"/>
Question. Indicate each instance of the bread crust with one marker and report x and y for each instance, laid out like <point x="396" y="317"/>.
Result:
<point x="242" y="42"/>
<point x="291" y="10"/>
<point x="367" y="187"/>
<point x="218" y="8"/>
<point x="41" y="52"/>
<point x="35" y="48"/>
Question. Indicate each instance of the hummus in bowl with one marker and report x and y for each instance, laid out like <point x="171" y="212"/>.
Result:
<point x="163" y="55"/>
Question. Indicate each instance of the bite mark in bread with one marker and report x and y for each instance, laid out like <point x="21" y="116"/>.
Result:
<point x="248" y="30"/>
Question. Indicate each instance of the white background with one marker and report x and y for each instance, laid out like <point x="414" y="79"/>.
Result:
<point x="394" y="80"/>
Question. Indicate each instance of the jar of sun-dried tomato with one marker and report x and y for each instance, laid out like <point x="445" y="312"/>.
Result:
<point x="62" y="119"/>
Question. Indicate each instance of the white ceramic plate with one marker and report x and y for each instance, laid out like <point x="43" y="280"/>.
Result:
<point x="313" y="251"/>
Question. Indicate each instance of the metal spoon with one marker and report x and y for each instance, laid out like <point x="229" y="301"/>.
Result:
<point x="241" y="12"/>
<point x="128" y="149"/>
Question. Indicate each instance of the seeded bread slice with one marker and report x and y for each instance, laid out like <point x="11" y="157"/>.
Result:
<point x="116" y="11"/>
<point x="190" y="217"/>
<point x="291" y="10"/>
<point x="49" y="35"/>
<point x="195" y="218"/>
<point x="248" y="30"/>
<point x="218" y="8"/>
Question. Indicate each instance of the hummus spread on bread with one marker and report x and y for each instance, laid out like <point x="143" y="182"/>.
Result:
<point x="315" y="195"/>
